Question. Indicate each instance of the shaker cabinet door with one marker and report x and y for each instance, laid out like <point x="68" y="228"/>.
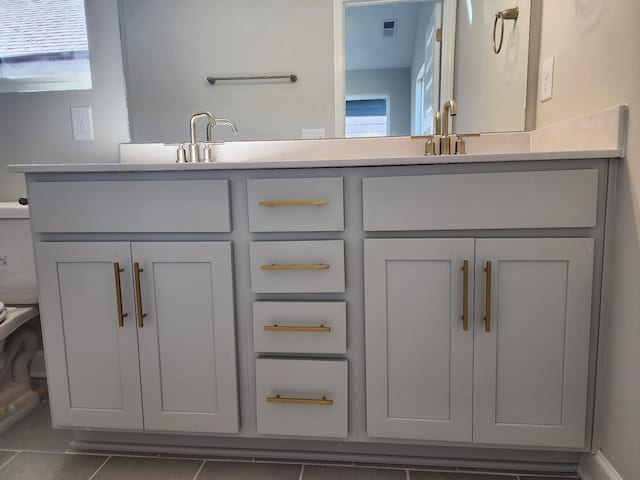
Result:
<point x="532" y="341"/>
<point x="187" y="338"/>
<point x="92" y="358"/>
<point x="419" y="357"/>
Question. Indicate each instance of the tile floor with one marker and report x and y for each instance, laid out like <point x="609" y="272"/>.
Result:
<point x="31" y="450"/>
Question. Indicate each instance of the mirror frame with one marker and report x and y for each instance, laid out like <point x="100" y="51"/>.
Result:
<point x="447" y="79"/>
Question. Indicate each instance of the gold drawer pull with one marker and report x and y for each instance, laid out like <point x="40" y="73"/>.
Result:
<point x="300" y="401"/>
<point x="465" y="295"/>
<point x="487" y="301"/>
<point x="295" y="328"/>
<point x="116" y="272"/>
<point x="292" y="203"/>
<point x="315" y="266"/>
<point x="138" y="291"/>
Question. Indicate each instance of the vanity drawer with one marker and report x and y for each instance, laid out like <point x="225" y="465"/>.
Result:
<point x="295" y="205"/>
<point x="302" y="397"/>
<point x="130" y="206"/>
<point x="297" y="267"/>
<point x="300" y="327"/>
<point x="544" y="199"/>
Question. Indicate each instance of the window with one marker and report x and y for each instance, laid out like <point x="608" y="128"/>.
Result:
<point x="366" y="118"/>
<point x="43" y="46"/>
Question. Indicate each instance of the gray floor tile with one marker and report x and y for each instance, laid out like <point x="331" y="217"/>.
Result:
<point x="50" y="466"/>
<point x="34" y="433"/>
<point x="6" y="455"/>
<point x="318" y="472"/>
<point x="128" y="468"/>
<point x="415" y="475"/>
<point x="249" y="471"/>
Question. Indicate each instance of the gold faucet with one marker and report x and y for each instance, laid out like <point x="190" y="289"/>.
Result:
<point x="449" y="108"/>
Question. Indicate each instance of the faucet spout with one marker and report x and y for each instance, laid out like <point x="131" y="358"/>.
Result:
<point x="220" y="121"/>
<point x="449" y="108"/>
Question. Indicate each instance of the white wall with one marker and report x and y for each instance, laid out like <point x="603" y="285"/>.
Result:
<point x="596" y="44"/>
<point x="394" y="82"/>
<point x="36" y="127"/>
<point x="490" y="89"/>
<point x="171" y="47"/>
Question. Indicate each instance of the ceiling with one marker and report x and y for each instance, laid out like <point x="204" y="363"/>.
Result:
<point x="367" y="48"/>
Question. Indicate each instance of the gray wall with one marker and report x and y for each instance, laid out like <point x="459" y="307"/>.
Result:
<point x="394" y="82"/>
<point x="589" y="76"/>
<point x="171" y="47"/>
<point x="424" y="15"/>
<point x="36" y="127"/>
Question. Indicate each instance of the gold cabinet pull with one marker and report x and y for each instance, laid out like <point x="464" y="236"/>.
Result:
<point x="116" y="273"/>
<point x="136" y="278"/>
<point x="465" y="295"/>
<point x="315" y="266"/>
<point x="487" y="301"/>
<point x="292" y="203"/>
<point x="300" y="401"/>
<point x="296" y="328"/>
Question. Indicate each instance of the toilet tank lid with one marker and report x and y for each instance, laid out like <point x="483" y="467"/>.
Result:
<point x="13" y="210"/>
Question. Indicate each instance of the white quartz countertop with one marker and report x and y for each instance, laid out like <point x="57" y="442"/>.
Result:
<point x="338" y="163"/>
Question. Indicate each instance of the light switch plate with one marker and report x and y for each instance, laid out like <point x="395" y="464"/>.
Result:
<point x="82" y="123"/>
<point x="546" y="80"/>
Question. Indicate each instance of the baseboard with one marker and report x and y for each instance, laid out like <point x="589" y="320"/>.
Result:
<point x="597" y="467"/>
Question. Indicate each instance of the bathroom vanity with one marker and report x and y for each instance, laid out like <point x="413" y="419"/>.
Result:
<point x="407" y="308"/>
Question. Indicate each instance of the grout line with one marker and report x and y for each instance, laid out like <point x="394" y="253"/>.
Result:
<point x="14" y="456"/>
<point x="199" y="470"/>
<point x="99" y="468"/>
<point x="301" y="472"/>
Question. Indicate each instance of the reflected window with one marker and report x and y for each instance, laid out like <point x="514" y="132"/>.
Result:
<point x="43" y="46"/>
<point x="367" y="118"/>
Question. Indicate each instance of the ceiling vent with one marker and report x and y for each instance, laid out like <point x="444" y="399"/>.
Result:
<point x="388" y="28"/>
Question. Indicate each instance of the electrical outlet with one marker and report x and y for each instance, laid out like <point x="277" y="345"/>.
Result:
<point x="82" y="123"/>
<point x="313" y="133"/>
<point x="546" y="80"/>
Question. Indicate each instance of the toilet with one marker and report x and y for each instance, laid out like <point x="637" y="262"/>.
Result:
<point x="18" y="305"/>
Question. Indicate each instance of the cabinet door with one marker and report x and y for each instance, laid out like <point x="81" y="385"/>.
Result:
<point x="92" y="363"/>
<point x="187" y="341"/>
<point x="530" y="373"/>
<point x="419" y="359"/>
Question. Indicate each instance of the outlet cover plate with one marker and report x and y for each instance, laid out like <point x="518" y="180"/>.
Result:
<point x="82" y="123"/>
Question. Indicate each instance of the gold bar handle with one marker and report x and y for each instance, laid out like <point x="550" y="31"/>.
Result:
<point x="296" y="328"/>
<point x="300" y="401"/>
<point x="487" y="300"/>
<point x="292" y="203"/>
<point x="116" y="272"/>
<point x="465" y="295"/>
<point x="315" y="266"/>
<point x="136" y="278"/>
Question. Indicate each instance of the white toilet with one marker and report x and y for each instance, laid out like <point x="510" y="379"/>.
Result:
<point x="18" y="305"/>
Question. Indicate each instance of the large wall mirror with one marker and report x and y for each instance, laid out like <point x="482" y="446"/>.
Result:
<point x="376" y="67"/>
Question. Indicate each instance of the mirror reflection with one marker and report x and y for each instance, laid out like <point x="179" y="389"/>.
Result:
<point x="363" y="68"/>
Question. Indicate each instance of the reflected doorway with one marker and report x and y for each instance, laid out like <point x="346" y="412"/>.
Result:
<point x="393" y="56"/>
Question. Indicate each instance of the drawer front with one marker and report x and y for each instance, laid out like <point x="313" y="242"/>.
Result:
<point x="130" y="206"/>
<point x="548" y="199"/>
<point x="295" y="205"/>
<point x="302" y="397"/>
<point x="297" y="267"/>
<point x="300" y="327"/>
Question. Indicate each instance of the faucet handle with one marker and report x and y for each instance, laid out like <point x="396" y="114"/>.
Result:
<point x="181" y="154"/>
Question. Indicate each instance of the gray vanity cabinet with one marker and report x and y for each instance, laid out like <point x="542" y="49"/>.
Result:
<point x="140" y="335"/>
<point x="419" y="356"/>
<point x="516" y="376"/>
